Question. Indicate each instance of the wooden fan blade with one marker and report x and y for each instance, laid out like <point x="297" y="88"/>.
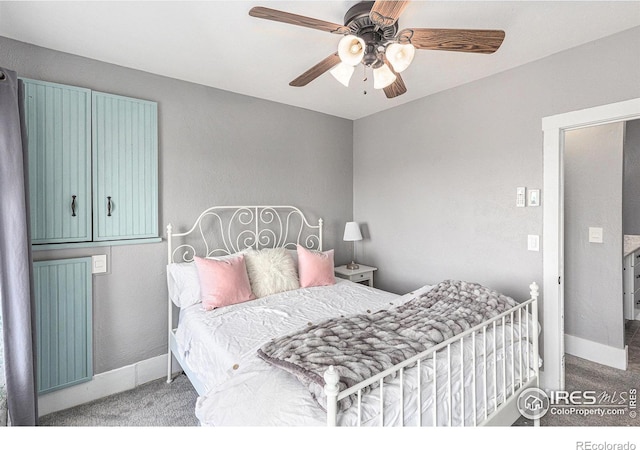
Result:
<point x="449" y="39"/>
<point x="326" y="64"/>
<point x="385" y="13"/>
<point x="294" y="19"/>
<point x="396" y="88"/>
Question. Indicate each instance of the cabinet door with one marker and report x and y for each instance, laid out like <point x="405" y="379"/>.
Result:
<point x="58" y="120"/>
<point x="125" y="171"/>
<point x="63" y="322"/>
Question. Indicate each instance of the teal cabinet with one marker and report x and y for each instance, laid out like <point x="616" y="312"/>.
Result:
<point x="63" y="292"/>
<point x="58" y="122"/>
<point x="93" y="165"/>
<point x="125" y="172"/>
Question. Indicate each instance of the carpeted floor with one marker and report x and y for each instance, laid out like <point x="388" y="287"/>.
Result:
<point x="583" y="375"/>
<point x="158" y="404"/>
<point x="152" y="404"/>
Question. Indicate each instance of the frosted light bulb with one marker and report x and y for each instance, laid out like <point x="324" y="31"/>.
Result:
<point x="351" y="50"/>
<point x="383" y="77"/>
<point x="342" y="72"/>
<point x="400" y="55"/>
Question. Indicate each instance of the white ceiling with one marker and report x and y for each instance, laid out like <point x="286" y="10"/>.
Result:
<point x="216" y="43"/>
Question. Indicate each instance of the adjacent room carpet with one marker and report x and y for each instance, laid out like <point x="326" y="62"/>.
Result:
<point x="583" y="375"/>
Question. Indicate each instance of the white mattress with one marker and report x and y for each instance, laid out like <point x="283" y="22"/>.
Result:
<point x="214" y="342"/>
<point x="243" y="390"/>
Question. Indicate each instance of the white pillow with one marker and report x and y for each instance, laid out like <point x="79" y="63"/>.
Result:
<point x="183" y="281"/>
<point x="271" y="270"/>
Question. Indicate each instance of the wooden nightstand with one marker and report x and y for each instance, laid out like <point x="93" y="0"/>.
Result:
<point x="361" y="275"/>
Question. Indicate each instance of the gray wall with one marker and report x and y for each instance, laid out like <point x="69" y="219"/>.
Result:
<point x="436" y="196"/>
<point x="631" y="186"/>
<point x="438" y="193"/>
<point x="215" y="148"/>
<point x="593" y="198"/>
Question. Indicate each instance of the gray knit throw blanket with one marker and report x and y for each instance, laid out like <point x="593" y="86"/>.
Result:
<point x="363" y="345"/>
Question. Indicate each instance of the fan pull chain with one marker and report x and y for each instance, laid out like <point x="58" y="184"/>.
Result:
<point x="364" y="78"/>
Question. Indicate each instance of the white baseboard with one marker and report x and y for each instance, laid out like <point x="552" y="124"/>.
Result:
<point x="596" y="352"/>
<point x="104" y="384"/>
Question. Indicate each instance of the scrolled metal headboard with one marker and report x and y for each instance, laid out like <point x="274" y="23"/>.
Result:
<point x="224" y="230"/>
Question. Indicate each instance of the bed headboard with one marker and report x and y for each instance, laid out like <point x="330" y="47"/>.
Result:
<point x="224" y="230"/>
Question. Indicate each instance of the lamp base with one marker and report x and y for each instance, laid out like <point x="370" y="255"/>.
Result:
<point x="352" y="266"/>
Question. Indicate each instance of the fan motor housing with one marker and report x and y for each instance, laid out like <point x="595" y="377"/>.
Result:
<point x="357" y="17"/>
<point x="358" y="21"/>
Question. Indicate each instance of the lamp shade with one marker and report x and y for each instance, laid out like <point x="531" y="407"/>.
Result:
<point x="352" y="232"/>
<point x="400" y="55"/>
<point x="342" y="72"/>
<point x="351" y="50"/>
<point x="383" y="77"/>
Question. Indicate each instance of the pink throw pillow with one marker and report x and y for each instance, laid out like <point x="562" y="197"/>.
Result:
<point x="315" y="268"/>
<point x="223" y="282"/>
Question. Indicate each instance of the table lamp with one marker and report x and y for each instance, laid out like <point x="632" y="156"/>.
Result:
<point x="352" y="233"/>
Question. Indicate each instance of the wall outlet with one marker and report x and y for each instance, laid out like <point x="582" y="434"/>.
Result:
<point x="596" y="235"/>
<point x="99" y="264"/>
<point x="533" y="242"/>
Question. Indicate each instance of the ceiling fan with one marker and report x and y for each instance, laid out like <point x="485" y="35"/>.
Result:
<point x="371" y="38"/>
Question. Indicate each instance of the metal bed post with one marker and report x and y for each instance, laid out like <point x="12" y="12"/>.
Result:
<point x="170" y="311"/>
<point x="331" y="390"/>
<point x="534" y="317"/>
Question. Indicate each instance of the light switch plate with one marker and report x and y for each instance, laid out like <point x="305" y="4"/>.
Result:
<point x="521" y="194"/>
<point x="99" y="264"/>
<point x="533" y="242"/>
<point x="596" y="235"/>
<point x="534" y="197"/>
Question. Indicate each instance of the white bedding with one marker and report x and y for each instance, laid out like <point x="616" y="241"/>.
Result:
<point x="220" y="348"/>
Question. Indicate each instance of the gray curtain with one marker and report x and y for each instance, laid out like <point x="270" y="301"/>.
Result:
<point x="16" y="277"/>
<point x="3" y="384"/>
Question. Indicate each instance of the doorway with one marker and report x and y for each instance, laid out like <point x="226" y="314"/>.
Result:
<point x="594" y="183"/>
<point x="554" y="128"/>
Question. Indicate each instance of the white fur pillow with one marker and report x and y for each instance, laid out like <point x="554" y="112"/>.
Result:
<point x="271" y="270"/>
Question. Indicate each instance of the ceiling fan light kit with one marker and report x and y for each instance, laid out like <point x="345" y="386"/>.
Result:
<point x="383" y="77"/>
<point x="371" y="38"/>
<point x="351" y="50"/>
<point x="342" y="72"/>
<point x="400" y="55"/>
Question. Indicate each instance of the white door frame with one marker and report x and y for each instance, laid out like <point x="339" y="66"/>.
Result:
<point x="554" y="127"/>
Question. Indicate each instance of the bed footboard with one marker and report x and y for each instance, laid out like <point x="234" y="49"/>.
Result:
<point x="500" y="381"/>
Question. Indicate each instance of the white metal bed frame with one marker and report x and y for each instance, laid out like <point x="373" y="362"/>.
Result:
<point x="225" y="230"/>
<point x="242" y="227"/>
<point x="505" y="411"/>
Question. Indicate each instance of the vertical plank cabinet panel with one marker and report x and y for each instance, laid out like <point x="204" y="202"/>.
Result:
<point x="125" y="171"/>
<point x="58" y="119"/>
<point x="63" y="292"/>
